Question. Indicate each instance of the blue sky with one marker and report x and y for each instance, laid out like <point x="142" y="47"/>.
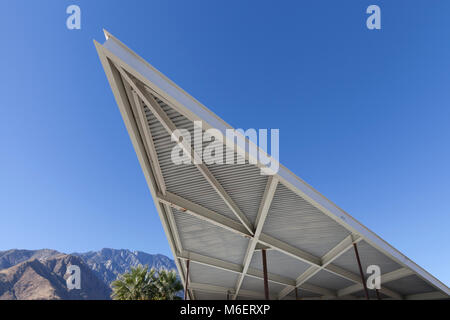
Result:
<point x="363" y="115"/>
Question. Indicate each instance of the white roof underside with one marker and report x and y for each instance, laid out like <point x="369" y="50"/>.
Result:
<point x="309" y="239"/>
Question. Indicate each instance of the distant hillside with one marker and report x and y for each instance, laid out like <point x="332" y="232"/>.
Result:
<point x="12" y="257"/>
<point x="41" y="274"/>
<point x="108" y="263"/>
<point x="46" y="279"/>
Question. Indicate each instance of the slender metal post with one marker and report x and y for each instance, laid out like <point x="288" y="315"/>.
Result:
<point x="296" y="293"/>
<point x="187" y="279"/>
<point x="361" y="271"/>
<point x="228" y="295"/>
<point x="266" y="281"/>
<point x="378" y="294"/>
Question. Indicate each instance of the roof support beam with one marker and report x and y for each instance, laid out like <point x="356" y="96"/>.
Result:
<point x="385" y="278"/>
<point x="357" y="279"/>
<point x="427" y="296"/>
<point x="202" y="213"/>
<point x="187" y="279"/>
<point x="254" y="273"/>
<point x="196" y="159"/>
<point x="263" y="210"/>
<point x="288" y="249"/>
<point x="138" y="109"/>
<point x="326" y="259"/>
<point x="266" y="282"/>
<point x="203" y="287"/>
<point x="396" y="274"/>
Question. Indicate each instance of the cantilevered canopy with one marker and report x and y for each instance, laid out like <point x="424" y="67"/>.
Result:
<point x="221" y="217"/>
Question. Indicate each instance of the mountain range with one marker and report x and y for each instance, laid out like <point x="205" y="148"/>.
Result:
<point x="42" y="274"/>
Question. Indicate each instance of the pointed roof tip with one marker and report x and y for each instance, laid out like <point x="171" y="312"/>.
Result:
<point x="98" y="46"/>
<point x="107" y="34"/>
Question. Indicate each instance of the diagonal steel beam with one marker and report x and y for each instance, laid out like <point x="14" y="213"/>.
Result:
<point x="196" y="159"/>
<point x="263" y="210"/>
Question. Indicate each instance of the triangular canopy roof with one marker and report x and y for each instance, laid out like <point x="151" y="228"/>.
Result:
<point x="220" y="217"/>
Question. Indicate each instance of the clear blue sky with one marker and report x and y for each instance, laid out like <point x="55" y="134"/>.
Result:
<point x="363" y="115"/>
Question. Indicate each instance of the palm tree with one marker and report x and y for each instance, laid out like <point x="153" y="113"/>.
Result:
<point x="137" y="284"/>
<point x="168" y="285"/>
<point x="141" y="284"/>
